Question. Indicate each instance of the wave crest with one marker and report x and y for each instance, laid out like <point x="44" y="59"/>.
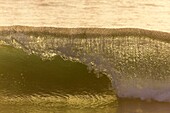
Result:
<point x="137" y="61"/>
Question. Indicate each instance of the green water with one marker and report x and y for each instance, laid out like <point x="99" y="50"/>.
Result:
<point x="84" y="70"/>
<point x="29" y="84"/>
<point x="30" y="72"/>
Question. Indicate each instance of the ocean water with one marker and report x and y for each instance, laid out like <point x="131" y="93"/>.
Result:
<point x="83" y="69"/>
<point x="84" y="56"/>
<point x="152" y="14"/>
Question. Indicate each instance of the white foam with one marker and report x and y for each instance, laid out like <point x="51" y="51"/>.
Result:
<point x="145" y="89"/>
<point x="138" y="66"/>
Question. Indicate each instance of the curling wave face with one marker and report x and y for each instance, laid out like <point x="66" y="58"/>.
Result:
<point x="136" y="61"/>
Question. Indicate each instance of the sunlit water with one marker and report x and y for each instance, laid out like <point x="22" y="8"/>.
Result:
<point x="150" y="14"/>
<point x="87" y="69"/>
<point x="43" y="73"/>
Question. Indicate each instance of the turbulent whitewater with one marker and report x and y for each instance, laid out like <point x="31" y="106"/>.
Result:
<point x="136" y="61"/>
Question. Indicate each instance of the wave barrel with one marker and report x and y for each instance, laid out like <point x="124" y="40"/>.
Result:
<point x="137" y="61"/>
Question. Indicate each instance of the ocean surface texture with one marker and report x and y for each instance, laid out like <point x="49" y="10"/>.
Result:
<point x="148" y="14"/>
<point x="86" y="56"/>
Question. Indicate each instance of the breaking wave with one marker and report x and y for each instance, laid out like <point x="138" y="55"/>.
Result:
<point x="136" y="61"/>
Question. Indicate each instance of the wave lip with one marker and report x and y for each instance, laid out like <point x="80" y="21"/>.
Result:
<point x="135" y="60"/>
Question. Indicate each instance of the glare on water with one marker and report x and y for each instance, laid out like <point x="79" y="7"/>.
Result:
<point x="148" y="14"/>
<point x="35" y="91"/>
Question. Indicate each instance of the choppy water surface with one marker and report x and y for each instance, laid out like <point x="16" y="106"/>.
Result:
<point x="57" y="69"/>
<point x="152" y="14"/>
<point x="44" y="70"/>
